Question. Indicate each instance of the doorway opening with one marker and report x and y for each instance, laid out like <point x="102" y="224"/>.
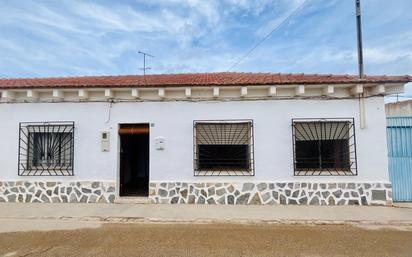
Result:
<point x="134" y="160"/>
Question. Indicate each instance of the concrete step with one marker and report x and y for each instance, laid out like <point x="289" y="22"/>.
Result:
<point x="132" y="200"/>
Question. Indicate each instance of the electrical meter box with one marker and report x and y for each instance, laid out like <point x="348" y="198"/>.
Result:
<point x="105" y="141"/>
<point x="160" y="143"/>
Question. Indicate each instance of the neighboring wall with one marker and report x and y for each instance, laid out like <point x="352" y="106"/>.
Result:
<point x="174" y="122"/>
<point x="399" y="109"/>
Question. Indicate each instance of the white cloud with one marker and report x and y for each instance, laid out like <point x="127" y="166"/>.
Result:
<point x="93" y="37"/>
<point x="382" y="55"/>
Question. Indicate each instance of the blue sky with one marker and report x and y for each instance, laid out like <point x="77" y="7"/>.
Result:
<point x="68" y="38"/>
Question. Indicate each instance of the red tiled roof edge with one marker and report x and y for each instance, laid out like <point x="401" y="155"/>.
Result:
<point x="194" y="79"/>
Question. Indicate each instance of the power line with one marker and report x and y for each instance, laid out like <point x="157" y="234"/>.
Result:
<point x="296" y="11"/>
<point x="406" y="96"/>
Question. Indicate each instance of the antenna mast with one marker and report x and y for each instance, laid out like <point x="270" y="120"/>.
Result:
<point x="144" y="62"/>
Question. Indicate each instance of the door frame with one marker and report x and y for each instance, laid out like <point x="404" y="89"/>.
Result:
<point x="118" y="175"/>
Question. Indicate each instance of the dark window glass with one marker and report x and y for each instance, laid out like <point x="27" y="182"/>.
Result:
<point x="307" y="154"/>
<point x="322" y="154"/>
<point x="232" y="157"/>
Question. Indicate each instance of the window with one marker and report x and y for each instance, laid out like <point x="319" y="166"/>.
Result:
<point x="46" y="149"/>
<point x="324" y="147"/>
<point x="223" y="148"/>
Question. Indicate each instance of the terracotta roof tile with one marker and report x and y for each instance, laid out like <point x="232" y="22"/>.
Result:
<point x="195" y="79"/>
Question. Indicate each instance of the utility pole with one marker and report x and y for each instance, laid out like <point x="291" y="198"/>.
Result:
<point x="362" y="114"/>
<point x="359" y="32"/>
<point x="144" y="62"/>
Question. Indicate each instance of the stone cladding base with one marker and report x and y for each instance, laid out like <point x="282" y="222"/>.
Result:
<point x="57" y="192"/>
<point x="298" y="193"/>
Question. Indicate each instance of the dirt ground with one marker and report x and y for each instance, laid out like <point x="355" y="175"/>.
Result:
<point x="209" y="240"/>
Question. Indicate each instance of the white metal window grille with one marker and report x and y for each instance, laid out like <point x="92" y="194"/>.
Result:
<point x="223" y="148"/>
<point x="324" y="147"/>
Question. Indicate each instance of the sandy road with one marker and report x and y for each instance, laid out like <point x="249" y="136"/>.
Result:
<point x="208" y="240"/>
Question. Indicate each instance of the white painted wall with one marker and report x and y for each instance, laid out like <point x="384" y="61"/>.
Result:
<point x="174" y="122"/>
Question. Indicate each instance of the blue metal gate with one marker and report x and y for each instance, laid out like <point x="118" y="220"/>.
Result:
<point x="399" y="134"/>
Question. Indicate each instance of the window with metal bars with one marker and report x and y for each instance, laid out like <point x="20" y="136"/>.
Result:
<point x="324" y="147"/>
<point x="223" y="148"/>
<point x="46" y="148"/>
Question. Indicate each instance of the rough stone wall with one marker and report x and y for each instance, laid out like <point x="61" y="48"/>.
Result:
<point x="57" y="192"/>
<point x="272" y="193"/>
<point x="204" y="193"/>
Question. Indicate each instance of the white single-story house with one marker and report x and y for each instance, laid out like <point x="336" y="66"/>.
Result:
<point x="213" y="138"/>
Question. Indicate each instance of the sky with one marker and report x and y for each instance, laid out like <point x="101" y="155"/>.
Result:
<point x="43" y="38"/>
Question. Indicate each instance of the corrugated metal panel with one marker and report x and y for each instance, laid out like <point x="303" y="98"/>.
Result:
<point x="399" y="121"/>
<point x="399" y="133"/>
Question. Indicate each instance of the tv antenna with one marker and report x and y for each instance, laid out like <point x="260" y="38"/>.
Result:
<point x="144" y="62"/>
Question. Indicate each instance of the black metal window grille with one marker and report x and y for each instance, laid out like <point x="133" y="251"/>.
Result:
<point x="324" y="147"/>
<point x="223" y="148"/>
<point x="46" y="148"/>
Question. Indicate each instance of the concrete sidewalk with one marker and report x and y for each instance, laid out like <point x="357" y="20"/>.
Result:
<point x="282" y="214"/>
